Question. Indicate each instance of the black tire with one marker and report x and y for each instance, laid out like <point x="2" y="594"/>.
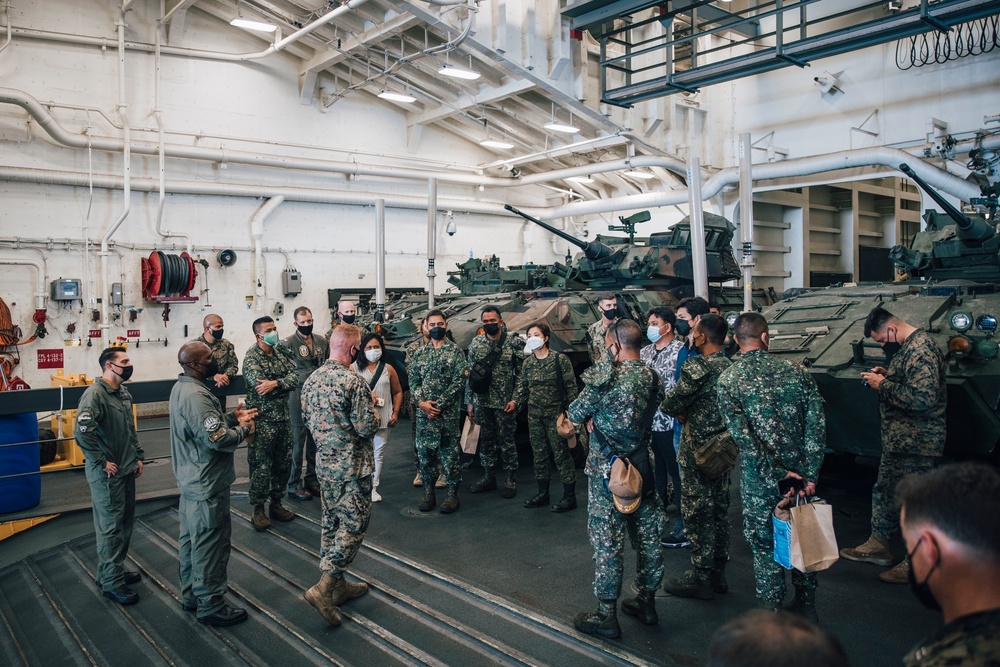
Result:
<point x="46" y="446"/>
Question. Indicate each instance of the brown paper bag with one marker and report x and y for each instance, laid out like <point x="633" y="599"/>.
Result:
<point x="813" y="542"/>
<point x="470" y="436"/>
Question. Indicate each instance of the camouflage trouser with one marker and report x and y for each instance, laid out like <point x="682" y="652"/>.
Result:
<point x="893" y="467"/>
<point x="412" y="411"/>
<point x="496" y="432"/>
<point x="606" y="528"/>
<point x="547" y="445"/>
<point x="270" y="457"/>
<point x="434" y="446"/>
<point x="705" y="507"/>
<point x="759" y="532"/>
<point x="347" y="507"/>
<point x="113" y="501"/>
<point x="303" y="445"/>
<point x="203" y="549"/>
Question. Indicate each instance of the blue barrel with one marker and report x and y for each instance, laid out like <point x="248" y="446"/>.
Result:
<point x="19" y="493"/>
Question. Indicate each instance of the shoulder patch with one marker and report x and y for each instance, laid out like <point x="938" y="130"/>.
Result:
<point x="84" y="416"/>
<point x="212" y="424"/>
<point x="216" y="434"/>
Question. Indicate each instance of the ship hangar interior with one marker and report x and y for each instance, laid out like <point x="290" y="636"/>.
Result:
<point x="295" y="149"/>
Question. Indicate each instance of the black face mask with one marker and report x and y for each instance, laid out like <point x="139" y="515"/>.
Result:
<point x="610" y="314"/>
<point x="217" y="333"/>
<point x="306" y="330"/>
<point x="491" y="329"/>
<point x="683" y="327"/>
<point x="921" y="590"/>
<point x="126" y="372"/>
<point x="355" y="352"/>
<point x="438" y="333"/>
<point x="212" y="368"/>
<point x="348" y="319"/>
<point x="890" y="348"/>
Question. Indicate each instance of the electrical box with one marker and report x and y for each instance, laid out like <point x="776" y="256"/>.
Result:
<point x="65" y="289"/>
<point x="116" y="294"/>
<point x="291" y="282"/>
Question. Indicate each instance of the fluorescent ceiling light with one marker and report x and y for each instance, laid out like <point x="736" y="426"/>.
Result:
<point x="459" y="73"/>
<point x="581" y="179"/>
<point x="560" y="127"/>
<point x="397" y="97"/>
<point x="249" y="24"/>
<point x="642" y="175"/>
<point x="495" y="143"/>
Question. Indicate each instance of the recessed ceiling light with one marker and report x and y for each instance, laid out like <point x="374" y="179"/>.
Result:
<point x="642" y="175"/>
<point x="397" y="97"/>
<point x="581" y="179"/>
<point x="249" y="24"/>
<point x="494" y="143"/>
<point x="459" y="73"/>
<point x="561" y="127"/>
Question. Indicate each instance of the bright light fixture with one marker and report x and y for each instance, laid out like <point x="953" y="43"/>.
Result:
<point x="581" y="179"/>
<point x="561" y="127"/>
<point x="459" y="73"/>
<point x="397" y="97"/>
<point x="250" y="24"/>
<point x="495" y="143"/>
<point x="641" y="175"/>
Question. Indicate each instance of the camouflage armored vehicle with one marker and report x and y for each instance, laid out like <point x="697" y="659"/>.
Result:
<point x="953" y="292"/>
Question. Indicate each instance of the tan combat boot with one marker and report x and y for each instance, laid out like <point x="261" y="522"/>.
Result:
<point x="343" y="591"/>
<point x="259" y="521"/>
<point x="873" y="551"/>
<point x="898" y="574"/>
<point x="319" y="597"/>
<point x="278" y="512"/>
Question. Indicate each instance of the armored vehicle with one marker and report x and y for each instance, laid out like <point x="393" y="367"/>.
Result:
<point x="952" y="291"/>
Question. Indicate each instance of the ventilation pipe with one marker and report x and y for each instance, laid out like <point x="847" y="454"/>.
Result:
<point x="10" y="33"/>
<point x="746" y="220"/>
<point x="39" y="267"/>
<point x="258" y="270"/>
<point x="699" y="260"/>
<point x="432" y="213"/>
<point x="379" y="260"/>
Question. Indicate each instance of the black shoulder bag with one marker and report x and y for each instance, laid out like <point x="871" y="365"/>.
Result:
<point x="376" y="376"/>
<point x="481" y="371"/>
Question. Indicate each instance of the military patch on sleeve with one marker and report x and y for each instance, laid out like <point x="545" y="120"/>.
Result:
<point x="216" y="434"/>
<point x="212" y="424"/>
<point x="84" y="419"/>
<point x="303" y="351"/>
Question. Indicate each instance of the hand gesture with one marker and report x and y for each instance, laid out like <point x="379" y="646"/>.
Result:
<point x="393" y="418"/>
<point x="111" y="468"/>
<point x="138" y="470"/>
<point x="266" y="386"/>
<point x="510" y="407"/>
<point x="430" y="409"/>
<point x="221" y="380"/>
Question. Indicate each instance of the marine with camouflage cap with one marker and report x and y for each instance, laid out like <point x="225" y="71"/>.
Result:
<point x="270" y="375"/>
<point x="340" y="412"/>
<point x="618" y="400"/>
<point x="202" y="442"/>
<point x="105" y="432"/>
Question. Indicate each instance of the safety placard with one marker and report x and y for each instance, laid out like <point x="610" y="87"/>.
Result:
<point x="50" y="359"/>
<point x="132" y="333"/>
<point x="94" y="333"/>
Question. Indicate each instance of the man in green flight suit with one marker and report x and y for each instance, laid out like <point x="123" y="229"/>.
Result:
<point x="437" y="379"/>
<point x="270" y="374"/>
<point x="339" y="410"/>
<point x="619" y="399"/>
<point x="105" y="432"/>
<point x="202" y="442"/>
<point x="774" y="412"/>
<point x="496" y="354"/>
<point x="212" y="331"/>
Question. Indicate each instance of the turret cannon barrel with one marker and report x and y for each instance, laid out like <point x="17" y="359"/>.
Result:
<point x="592" y="250"/>
<point x="975" y="230"/>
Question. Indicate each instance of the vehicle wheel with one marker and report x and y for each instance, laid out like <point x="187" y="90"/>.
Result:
<point x="46" y="446"/>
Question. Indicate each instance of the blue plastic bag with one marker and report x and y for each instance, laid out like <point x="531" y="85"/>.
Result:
<point x="782" y="541"/>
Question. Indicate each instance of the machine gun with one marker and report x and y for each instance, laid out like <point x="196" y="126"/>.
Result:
<point x="629" y="223"/>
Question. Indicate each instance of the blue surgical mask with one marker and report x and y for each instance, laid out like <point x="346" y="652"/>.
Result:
<point x="653" y="333"/>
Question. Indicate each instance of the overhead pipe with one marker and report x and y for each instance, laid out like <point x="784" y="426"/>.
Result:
<point x="379" y="260"/>
<point x="432" y="211"/>
<point x="259" y="270"/>
<point x="40" y="275"/>
<point x="699" y="261"/>
<point x="10" y="32"/>
<point x="746" y="219"/>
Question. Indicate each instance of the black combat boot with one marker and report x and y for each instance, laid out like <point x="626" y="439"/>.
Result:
<point x="487" y="483"/>
<point x="603" y="622"/>
<point x="542" y="498"/>
<point x="718" y="577"/>
<point x="429" y="500"/>
<point x="694" y="584"/>
<point x="451" y="503"/>
<point x="643" y="607"/>
<point x="568" y="501"/>
<point x="804" y="604"/>
<point x="509" y="489"/>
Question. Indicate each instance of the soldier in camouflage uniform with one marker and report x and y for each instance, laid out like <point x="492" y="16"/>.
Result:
<point x="222" y="351"/>
<point x="105" y="432"/>
<point x="408" y="351"/>
<point x="704" y="502"/>
<point x="774" y="412"/>
<point x="270" y="374"/>
<point x="437" y="379"/>
<point x="619" y="399"/>
<point x="949" y="522"/>
<point x="608" y="305"/>
<point x="309" y="352"/>
<point x="347" y="313"/>
<point x="489" y="409"/>
<point x="538" y="385"/>
<point x="340" y="413"/>
<point x="912" y="395"/>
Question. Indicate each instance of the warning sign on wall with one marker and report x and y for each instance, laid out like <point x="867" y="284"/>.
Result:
<point x="50" y="359"/>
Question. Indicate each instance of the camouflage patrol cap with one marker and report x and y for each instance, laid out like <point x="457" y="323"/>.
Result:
<point x="625" y="485"/>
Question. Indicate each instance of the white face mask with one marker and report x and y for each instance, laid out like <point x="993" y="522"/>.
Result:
<point x="534" y="343"/>
<point x="373" y="355"/>
<point x="653" y="333"/>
